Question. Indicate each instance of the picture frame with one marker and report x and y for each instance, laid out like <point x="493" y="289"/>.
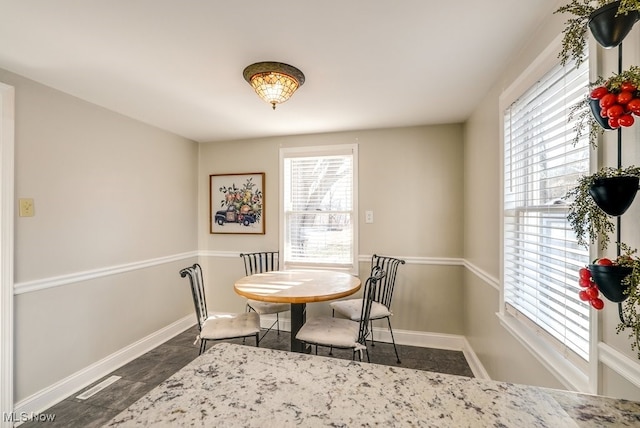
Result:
<point x="236" y="203"/>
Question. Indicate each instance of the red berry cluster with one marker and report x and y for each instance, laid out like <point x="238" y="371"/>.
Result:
<point x="618" y="105"/>
<point x="589" y="290"/>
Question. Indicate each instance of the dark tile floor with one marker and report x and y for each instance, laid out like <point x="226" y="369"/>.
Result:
<point x="144" y="373"/>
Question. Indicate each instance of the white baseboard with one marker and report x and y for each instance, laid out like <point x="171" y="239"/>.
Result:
<point x="423" y="339"/>
<point x="57" y="392"/>
<point x="267" y="320"/>
<point x="412" y="338"/>
<point x="475" y="365"/>
<point x="62" y="389"/>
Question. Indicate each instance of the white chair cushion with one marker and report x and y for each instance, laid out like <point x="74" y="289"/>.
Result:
<point x="264" y="308"/>
<point x="338" y="332"/>
<point x="218" y="327"/>
<point x="352" y="308"/>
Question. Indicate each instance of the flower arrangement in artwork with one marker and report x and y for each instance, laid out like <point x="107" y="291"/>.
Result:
<point x="244" y="200"/>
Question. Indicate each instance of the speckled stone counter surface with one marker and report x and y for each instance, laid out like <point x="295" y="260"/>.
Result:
<point x="234" y="385"/>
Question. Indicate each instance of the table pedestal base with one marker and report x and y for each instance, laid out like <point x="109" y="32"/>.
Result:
<point x="298" y="318"/>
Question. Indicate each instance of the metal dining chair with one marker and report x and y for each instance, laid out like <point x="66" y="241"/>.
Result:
<point x="260" y="262"/>
<point x="344" y="333"/>
<point x="381" y="308"/>
<point x="218" y="327"/>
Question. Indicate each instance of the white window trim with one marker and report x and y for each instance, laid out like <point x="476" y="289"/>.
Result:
<point x="7" y="147"/>
<point x="319" y="150"/>
<point x="567" y="373"/>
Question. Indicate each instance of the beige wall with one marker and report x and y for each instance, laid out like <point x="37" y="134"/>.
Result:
<point x="108" y="191"/>
<point x="411" y="178"/>
<point x="502" y="356"/>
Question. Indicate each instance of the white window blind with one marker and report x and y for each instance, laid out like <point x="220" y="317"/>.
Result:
<point x="319" y="207"/>
<point x="541" y="255"/>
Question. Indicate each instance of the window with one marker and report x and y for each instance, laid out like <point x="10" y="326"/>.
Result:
<point x="319" y="207"/>
<point x="541" y="255"/>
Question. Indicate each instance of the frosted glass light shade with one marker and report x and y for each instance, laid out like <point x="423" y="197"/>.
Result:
<point x="274" y="82"/>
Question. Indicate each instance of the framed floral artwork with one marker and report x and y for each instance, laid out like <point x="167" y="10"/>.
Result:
<point x="236" y="203"/>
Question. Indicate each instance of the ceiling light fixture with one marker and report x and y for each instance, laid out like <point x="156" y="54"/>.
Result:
<point x="274" y="82"/>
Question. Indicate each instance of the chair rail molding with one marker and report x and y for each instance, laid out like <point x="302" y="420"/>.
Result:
<point x="440" y="261"/>
<point x="56" y="281"/>
<point x="625" y="366"/>
<point x="486" y="277"/>
<point x="362" y="258"/>
<point x="216" y="253"/>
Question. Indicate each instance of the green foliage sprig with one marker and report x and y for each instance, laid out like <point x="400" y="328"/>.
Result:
<point x="627" y="6"/>
<point x="584" y="119"/>
<point x="587" y="220"/>
<point x="614" y="82"/>
<point x="631" y="306"/>
<point x="575" y="31"/>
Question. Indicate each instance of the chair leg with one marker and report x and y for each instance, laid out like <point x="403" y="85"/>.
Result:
<point x="371" y="332"/>
<point x="203" y="344"/>
<point x="258" y="340"/>
<point x="393" y="340"/>
<point x="244" y="339"/>
<point x="359" y="352"/>
<point x="278" y="323"/>
<point x="271" y="327"/>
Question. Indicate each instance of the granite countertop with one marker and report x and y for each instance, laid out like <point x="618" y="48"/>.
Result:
<point x="234" y="385"/>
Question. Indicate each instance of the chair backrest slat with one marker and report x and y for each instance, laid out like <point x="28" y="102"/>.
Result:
<point x="197" y="290"/>
<point x="371" y="287"/>
<point x="389" y="265"/>
<point x="259" y="262"/>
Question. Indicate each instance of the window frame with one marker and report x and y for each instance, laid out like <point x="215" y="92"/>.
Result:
<point x="310" y="151"/>
<point x="572" y="376"/>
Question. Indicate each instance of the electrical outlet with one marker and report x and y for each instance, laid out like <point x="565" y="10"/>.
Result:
<point x="26" y="207"/>
<point x="368" y="216"/>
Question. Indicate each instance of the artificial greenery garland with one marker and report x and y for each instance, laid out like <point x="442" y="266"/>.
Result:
<point x="589" y="223"/>
<point x="587" y="220"/>
<point x="575" y="32"/>
<point x="631" y="306"/>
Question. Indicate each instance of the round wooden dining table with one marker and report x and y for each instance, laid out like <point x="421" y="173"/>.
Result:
<point x="297" y="287"/>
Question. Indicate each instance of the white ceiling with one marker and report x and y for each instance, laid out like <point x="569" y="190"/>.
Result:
<point x="177" y="64"/>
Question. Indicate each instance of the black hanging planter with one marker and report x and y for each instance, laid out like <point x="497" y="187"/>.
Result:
<point x="609" y="281"/>
<point x="614" y="195"/>
<point x="595" y="110"/>
<point x="608" y="29"/>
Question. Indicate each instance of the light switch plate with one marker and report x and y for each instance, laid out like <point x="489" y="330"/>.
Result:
<point x="26" y="207"/>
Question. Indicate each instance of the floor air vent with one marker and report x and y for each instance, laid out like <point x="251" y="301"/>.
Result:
<point x="99" y="387"/>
